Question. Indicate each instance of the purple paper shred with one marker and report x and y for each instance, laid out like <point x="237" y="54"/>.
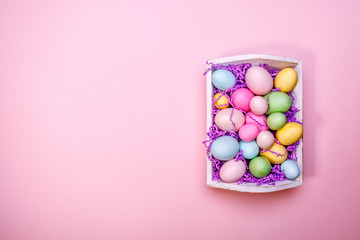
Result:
<point x="275" y="175"/>
<point x="276" y="140"/>
<point x="214" y="132"/>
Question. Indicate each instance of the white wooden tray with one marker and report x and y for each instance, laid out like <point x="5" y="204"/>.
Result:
<point x="274" y="62"/>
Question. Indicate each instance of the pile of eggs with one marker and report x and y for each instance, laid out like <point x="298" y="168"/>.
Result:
<point x="256" y="114"/>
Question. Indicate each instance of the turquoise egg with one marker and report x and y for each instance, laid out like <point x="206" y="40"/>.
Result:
<point x="224" y="148"/>
<point x="223" y="79"/>
<point x="250" y="149"/>
<point x="291" y="169"/>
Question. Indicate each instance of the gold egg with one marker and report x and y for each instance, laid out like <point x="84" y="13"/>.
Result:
<point x="290" y="133"/>
<point x="221" y="100"/>
<point x="286" y="80"/>
<point x="277" y="154"/>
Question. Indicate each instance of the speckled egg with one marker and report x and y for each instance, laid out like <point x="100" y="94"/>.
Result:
<point x="226" y="118"/>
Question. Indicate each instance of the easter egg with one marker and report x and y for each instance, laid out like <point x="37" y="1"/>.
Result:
<point x="248" y="132"/>
<point x="226" y="118"/>
<point x="250" y="149"/>
<point x="291" y="169"/>
<point x="258" y="105"/>
<point x="221" y="100"/>
<point x="232" y="171"/>
<point x="223" y="79"/>
<point x="265" y="139"/>
<point x="224" y="148"/>
<point x="259" y="167"/>
<point x="258" y="80"/>
<point x="290" y="133"/>
<point x="286" y="80"/>
<point x="276" y="120"/>
<point x="276" y="154"/>
<point x="240" y="98"/>
<point x="279" y="102"/>
<point x="260" y="121"/>
<point x="266" y="97"/>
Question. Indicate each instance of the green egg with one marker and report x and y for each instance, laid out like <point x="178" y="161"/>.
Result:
<point x="279" y="102"/>
<point x="267" y="96"/>
<point x="259" y="167"/>
<point x="276" y="120"/>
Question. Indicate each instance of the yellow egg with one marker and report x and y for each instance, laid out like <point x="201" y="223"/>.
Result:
<point x="221" y="100"/>
<point x="286" y="80"/>
<point x="276" y="154"/>
<point x="290" y="133"/>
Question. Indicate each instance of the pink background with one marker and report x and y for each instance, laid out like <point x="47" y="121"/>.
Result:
<point x="102" y="107"/>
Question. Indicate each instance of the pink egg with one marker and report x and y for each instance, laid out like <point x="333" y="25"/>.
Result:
<point x="223" y="121"/>
<point x="258" y="80"/>
<point x="248" y="132"/>
<point x="241" y="97"/>
<point x="265" y="139"/>
<point x="258" y="105"/>
<point x="260" y="121"/>
<point x="232" y="171"/>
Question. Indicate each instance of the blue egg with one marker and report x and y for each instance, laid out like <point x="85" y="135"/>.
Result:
<point x="223" y="79"/>
<point x="224" y="148"/>
<point x="291" y="169"/>
<point x="250" y="149"/>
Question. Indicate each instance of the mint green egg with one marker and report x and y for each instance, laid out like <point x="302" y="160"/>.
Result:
<point x="276" y="120"/>
<point x="259" y="167"/>
<point x="267" y="96"/>
<point x="279" y="102"/>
